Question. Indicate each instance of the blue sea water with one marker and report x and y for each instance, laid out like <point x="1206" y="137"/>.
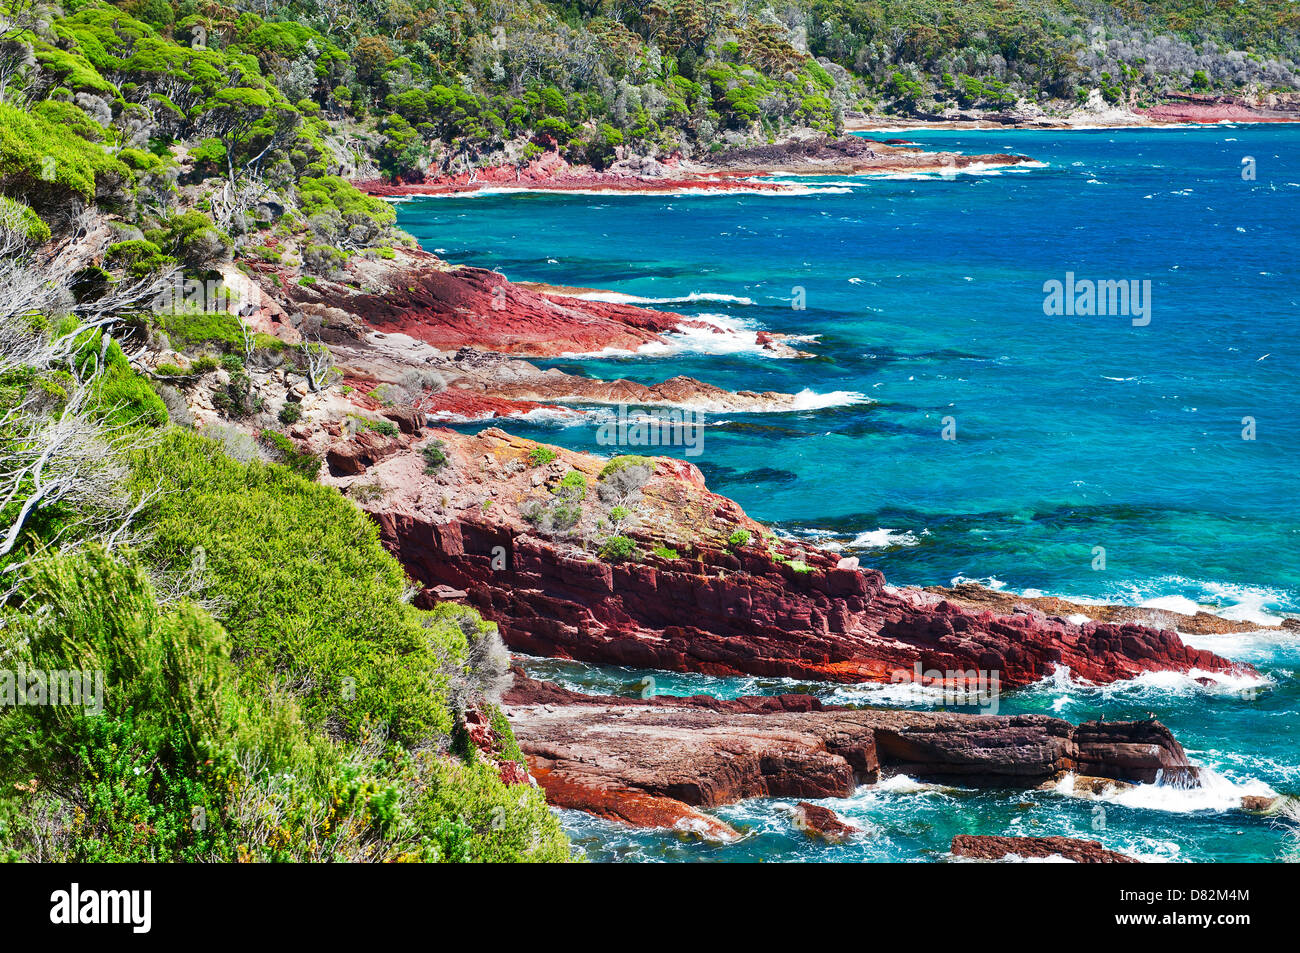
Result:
<point x="924" y="306"/>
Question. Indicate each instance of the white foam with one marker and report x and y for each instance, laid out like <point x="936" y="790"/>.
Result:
<point x="884" y="537"/>
<point x="1156" y="687"/>
<point x="1179" y="604"/>
<point x="989" y="582"/>
<point x="951" y="172"/>
<point x="808" y="399"/>
<point x="902" y="784"/>
<point x="538" y="415"/>
<point x="616" y="297"/>
<point x="1232" y="601"/>
<point x="1215" y="793"/>
<point x="720" y="334"/>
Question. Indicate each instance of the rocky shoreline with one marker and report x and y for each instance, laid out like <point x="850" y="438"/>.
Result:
<point x="1177" y="108"/>
<point x="657" y="762"/>
<point x="732" y="170"/>
<point x="693" y="600"/>
<point x="417" y="343"/>
<point x="433" y="306"/>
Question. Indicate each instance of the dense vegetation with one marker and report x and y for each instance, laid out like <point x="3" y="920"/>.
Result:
<point x="269" y="692"/>
<point x="274" y="101"/>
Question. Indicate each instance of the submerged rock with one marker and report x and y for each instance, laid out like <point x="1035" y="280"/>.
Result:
<point x="979" y="847"/>
<point x="817" y="821"/>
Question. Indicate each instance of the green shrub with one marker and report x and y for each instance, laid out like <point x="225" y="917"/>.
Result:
<point x="739" y="538"/>
<point x="143" y="766"/>
<point x="290" y="413"/>
<point x="138" y="257"/>
<point x="573" y="488"/>
<point x="309" y="590"/>
<point x="618" y="548"/>
<point x="665" y="552"/>
<point x="303" y="462"/>
<point x="435" y="456"/>
<point x="17" y="217"/>
<point x="540" y="456"/>
<point x="623" y="462"/>
<point x="190" y="328"/>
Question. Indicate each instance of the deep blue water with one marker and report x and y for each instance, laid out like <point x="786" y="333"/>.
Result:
<point x="925" y="297"/>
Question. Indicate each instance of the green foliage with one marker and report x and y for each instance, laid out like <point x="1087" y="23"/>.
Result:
<point x="618" y="549"/>
<point x="179" y="757"/>
<point x="301" y="461"/>
<point x="192" y="238"/>
<point x="151" y="758"/>
<point x="573" y="487"/>
<point x="739" y="538"/>
<point x="666" y="552"/>
<point x="309" y="589"/>
<point x="435" y="456"/>
<point x="290" y="413"/>
<point x="49" y="163"/>
<point x="18" y="217"/>
<point x="540" y="456"/>
<point x="479" y="819"/>
<point x="138" y="257"/>
<point x="623" y="462"/>
<point x="188" y="329"/>
<point x="123" y="396"/>
<point x="331" y="193"/>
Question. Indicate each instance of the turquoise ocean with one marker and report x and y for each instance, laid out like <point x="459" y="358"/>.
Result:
<point x="1076" y="435"/>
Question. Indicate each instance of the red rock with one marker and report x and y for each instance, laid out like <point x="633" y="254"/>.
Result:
<point x="478" y="727"/>
<point x="1213" y="108"/>
<point x="459" y="405"/>
<point x="354" y="456"/>
<point x="761" y="618"/>
<point x="979" y="847"/>
<point x="817" y="821"/>
<point x="1259" y="804"/>
<point x="590" y="751"/>
<point x="450" y="308"/>
<point x="725" y="611"/>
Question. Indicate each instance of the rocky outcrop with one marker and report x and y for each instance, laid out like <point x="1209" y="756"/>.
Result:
<point x="821" y="822"/>
<point x="675" y="392"/>
<point x="761" y="607"/>
<point x="588" y="751"/>
<point x="694" y="598"/>
<point x="1212" y="108"/>
<point x="1077" y="851"/>
<point x="435" y="310"/>
<point x="848" y="155"/>
<point x="462" y="405"/>
<point x="980" y="598"/>
<point x="478" y="729"/>
<point x="730" y="170"/>
<point x="451" y="307"/>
